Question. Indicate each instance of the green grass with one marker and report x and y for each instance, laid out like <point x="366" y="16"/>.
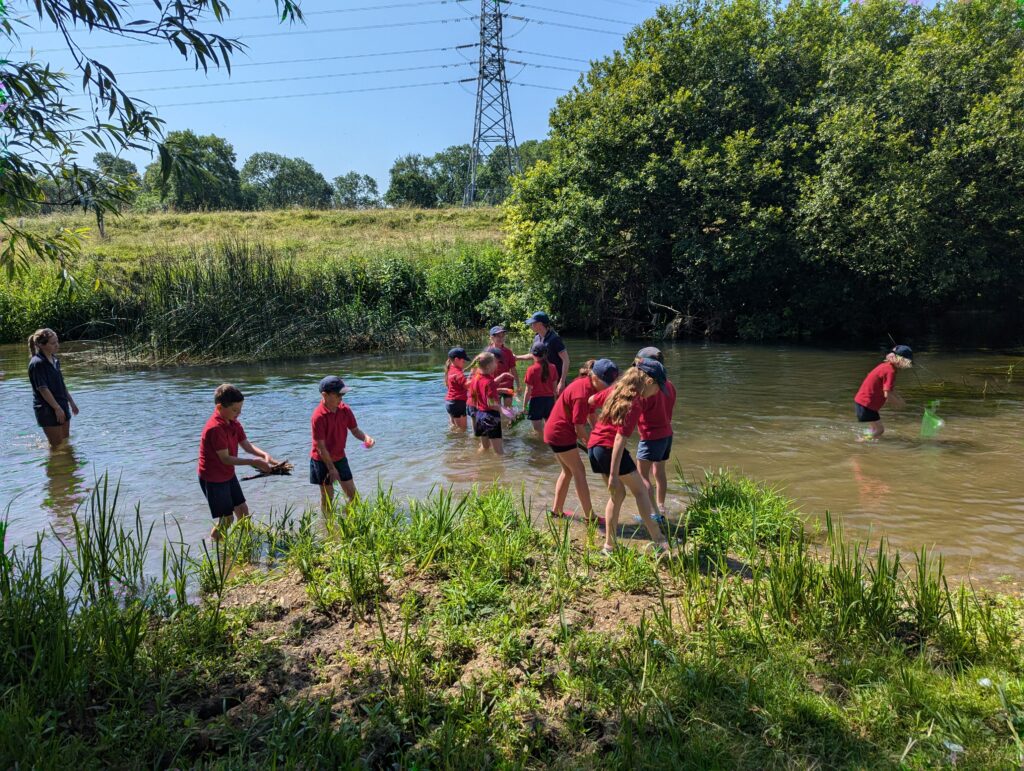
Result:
<point x="458" y="633"/>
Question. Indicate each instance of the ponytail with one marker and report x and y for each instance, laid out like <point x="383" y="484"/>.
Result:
<point x="447" y="371"/>
<point x="482" y="360"/>
<point x="587" y="368"/>
<point x="542" y="360"/>
<point x="38" y="338"/>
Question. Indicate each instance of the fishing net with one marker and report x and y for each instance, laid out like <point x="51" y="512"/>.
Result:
<point x="931" y="423"/>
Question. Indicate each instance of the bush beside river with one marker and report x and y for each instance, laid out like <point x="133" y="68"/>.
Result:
<point x="459" y="633"/>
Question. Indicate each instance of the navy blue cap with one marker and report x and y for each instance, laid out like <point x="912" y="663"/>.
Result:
<point x="605" y="370"/>
<point x="654" y="369"/>
<point x="904" y="351"/>
<point x="539" y="349"/>
<point x="497" y="330"/>
<point x="650" y="352"/>
<point x="333" y="384"/>
<point x="458" y="353"/>
<point x="540" y="316"/>
<point x="495" y="351"/>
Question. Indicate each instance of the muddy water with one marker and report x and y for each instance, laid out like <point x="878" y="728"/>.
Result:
<point x="776" y="413"/>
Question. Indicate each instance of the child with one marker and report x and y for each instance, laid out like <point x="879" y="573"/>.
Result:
<point x="655" y="446"/>
<point x="607" y="447"/>
<point x="331" y="422"/>
<point x="565" y="432"/>
<point x="487" y="420"/>
<point x="540" y="378"/>
<point x="877" y="389"/>
<point x="455" y="380"/>
<point x="218" y="455"/>
<point x="506" y="359"/>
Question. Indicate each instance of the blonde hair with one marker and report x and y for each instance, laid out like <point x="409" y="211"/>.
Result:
<point x="627" y="389"/>
<point x="38" y="338"/>
<point x="448" y="370"/>
<point x="484" y="362"/>
<point x="901" y="362"/>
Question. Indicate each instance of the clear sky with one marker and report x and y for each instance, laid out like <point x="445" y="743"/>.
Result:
<point x="344" y="45"/>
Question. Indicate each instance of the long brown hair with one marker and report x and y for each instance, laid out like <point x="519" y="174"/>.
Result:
<point x="627" y="389"/>
<point x="587" y="367"/>
<point x="545" y="365"/>
<point x="38" y="338"/>
<point x="448" y="370"/>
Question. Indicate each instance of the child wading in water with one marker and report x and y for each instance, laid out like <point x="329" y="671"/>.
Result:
<point x="655" y="446"/>
<point x="877" y="390"/>
<point x="541" y="378"/>
<point x="484" y="390"/>
<point x="331" y="423"/>
<point x="218" y="455"/>
<point x="455" y="380"/>
<point x="566" y="432"/>
<point x="621" y="405"/>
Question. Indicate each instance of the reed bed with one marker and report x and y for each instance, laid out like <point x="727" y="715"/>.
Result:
<point x="464" y="633"/>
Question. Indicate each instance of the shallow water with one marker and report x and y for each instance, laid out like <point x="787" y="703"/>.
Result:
<point x="783" y="414"/>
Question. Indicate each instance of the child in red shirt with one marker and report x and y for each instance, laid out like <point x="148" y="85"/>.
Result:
<point x="218" y="455"/>
<point x="506" y="360"/>
<point x="566" y="433"/>
<point x="877" y="390"/>
<point x="455" y="381"/>
<point x="331" y="422"/>
<point x="621" y="406"/>
<point x="541" y="378"/>
<point x="655" y="428"/>
<point x="484" y="392"/>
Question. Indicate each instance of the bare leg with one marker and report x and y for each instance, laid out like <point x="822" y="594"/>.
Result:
<point x="561" y="488"/>
<point x="460" y="423"/>
<point x="326" y="498"/>
<point x="611" y="513"/>
<point x="538" y="427"/>
<point x="349" y="488"/>
<point x="55" y="435"/>
<point x="498" y="445"/>
<point x="644" y="467"/>
<point x="873" y="430"/>
<point x="485" y="444"/>
<point x="641" y="492"/>
<point x="221" y="528"/>
<point x="661" y="480"/>
<point x="66" y="430"/>
<point x="579" y="478"/>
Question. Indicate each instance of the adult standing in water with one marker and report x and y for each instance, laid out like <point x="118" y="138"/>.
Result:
<point x="51" y="399"/>
<point x="540" y="323"/>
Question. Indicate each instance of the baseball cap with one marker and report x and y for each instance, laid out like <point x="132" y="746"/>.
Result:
<point x="538" y="349"/>
<point x="458" y="353"/>
<point x="495" y="351"/>
<point x="605" y="370"/>
<point x="497" y="330"/>
<point x="540" y="316"/>
<point x="904" y="351"/>
<point x="650" y="352"/>
<point x="654" y="369"/>
<point x="333" y="384"/>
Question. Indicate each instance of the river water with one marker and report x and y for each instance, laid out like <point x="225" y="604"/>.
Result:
<point x="782" y="414"/>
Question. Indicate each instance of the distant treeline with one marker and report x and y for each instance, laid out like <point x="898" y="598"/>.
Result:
<point x="204" y="177"/>
<point x="801" y="169"/>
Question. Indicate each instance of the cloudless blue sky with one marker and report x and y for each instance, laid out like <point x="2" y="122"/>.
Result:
<point x="364" y="131"/>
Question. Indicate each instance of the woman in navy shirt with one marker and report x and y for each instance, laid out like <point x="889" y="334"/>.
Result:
<point x="557" y="355"/>
<point x="50" y="397"/>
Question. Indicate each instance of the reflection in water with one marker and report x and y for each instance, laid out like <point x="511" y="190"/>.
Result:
<point x="65" y="486"/>
<point x="873" y="491"/>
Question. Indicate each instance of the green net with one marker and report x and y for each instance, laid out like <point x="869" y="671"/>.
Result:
<point x="931" y="423"/>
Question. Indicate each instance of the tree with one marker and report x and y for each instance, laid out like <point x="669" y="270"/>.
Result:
<point x="273" y="181"/>
<point x="202" y="175"/>
<point x="356" y="191"/>
<point x="411" y="183"/>
<point x="43" y="132"/>
<point x="449" y="172"/>
<point x="121" y="172"/>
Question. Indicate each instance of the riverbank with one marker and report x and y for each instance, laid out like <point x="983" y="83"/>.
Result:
<point x="464" y="633"/>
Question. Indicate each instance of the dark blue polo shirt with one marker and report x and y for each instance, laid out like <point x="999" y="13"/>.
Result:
<point x="43" y="374"/>
<point x="555" y="347"/>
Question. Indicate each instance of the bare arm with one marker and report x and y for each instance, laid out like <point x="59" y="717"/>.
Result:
<point x="564" y="355"/>
<point x="48" y="398"/>
<point x="368" y="440"/>
<point x="233" y="460"/>
<point x="252" y="449"/>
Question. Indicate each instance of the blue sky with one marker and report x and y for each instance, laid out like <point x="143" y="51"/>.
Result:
<point x="362" y="131"/>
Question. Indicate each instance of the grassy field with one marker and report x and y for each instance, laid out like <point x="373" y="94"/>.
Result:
<point x="302" y="233"/>
<point x="450" y="633"/>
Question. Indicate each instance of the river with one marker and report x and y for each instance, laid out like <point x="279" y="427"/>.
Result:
<point x="782" y="414"/>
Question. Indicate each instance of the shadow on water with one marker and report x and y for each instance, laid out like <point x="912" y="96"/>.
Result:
<point x="66" y="489"/>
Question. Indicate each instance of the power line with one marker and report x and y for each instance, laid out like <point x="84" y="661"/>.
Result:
<point x="572" y="13"/>
<point x="543" y="66"/>
<point x="313" y="59"/>
<point x="261" y="81"/>
<point x="279" y="34"/>
<point x="538" y="85"/>
<point x="317" y="93"/>
<point x="560" y="24"/>
<point x="549" y="56"/>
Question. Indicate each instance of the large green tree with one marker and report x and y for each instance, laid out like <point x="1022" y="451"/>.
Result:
<point x="202" y="175"/>
<point x="772" y="169"/>
<point x="274" y="181"/>
<point x="411" y="183"/>
<point x="356" y="191"/>
<point x="43" y="134"/>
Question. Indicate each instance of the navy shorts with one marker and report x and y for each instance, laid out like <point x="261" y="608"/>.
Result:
<point x="223" y="497"/>
<point x="318" y="471"/>
<point x="864" y="415"/>
<point x="558" y="448"/>
<point x="47" y="418"/>
<point x="470" y="410"/>
<point x="540" y="407"/>
<point x="654" y="450"/>
<point x="601" y="461"/>
<point x="456" y="408"/>
<point x="487" y="424"/>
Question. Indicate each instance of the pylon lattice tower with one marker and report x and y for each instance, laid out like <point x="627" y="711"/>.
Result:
<point x="492" y="127"/>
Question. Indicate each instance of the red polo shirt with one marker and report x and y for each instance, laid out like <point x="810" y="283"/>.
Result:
<point x="656" y="414"/>
<point x="506" y="362"/>
<point x="540" y="387"/>
<point x="218" y="434"/>
<point x="604" y="433"/>
<point x="571" y="409"/>
<point x="871" y="394"/>
<point x="483" y="390"/>
<point x="331" y="428"/>
<point x="456" y="385"/>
